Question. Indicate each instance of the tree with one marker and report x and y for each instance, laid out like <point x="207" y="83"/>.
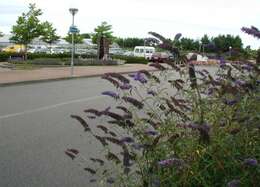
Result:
<point x="78" y="38"/>
<point x="49" y="33"/>
<point x="86" y="35"/>
<point x="224" y="42"/>
<point x="205" y="40"/>
<point x="129" y="42"/>
<point x="103" y="37"/>
<point x="1" y="34"/>
<point x="27" y="27"/>
<point x="188" y="44"/>
<point x="103" y="30"/>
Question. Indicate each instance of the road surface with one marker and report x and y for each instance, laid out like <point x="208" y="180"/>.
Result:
<point x="36" y="128"/>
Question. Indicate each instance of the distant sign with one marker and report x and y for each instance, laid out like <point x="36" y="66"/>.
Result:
<point x="73" y="29"/>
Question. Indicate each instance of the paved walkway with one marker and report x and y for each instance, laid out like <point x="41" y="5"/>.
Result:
<point x="18" y="76"/>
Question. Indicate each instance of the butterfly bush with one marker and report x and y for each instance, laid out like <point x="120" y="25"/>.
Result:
<point x="177" y="126"/>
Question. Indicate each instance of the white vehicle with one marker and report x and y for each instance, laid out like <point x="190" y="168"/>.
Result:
<point x="144" y="51"/>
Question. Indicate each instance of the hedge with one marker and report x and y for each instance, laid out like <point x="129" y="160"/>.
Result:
<point x="31" y="56"/>
<point x="66" y="62"/>
<point x="131" y="59"/>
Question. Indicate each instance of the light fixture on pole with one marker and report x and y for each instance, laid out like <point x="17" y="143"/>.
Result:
<point x="230" y="51"/>
<point x="73" y="30"/>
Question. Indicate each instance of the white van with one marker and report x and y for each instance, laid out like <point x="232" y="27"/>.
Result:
<point x="144" y="51"/>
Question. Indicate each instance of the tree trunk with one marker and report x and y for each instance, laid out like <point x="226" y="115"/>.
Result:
<point x="25" y="52"/>
<point x="258" y="57"/>
<point x="101" y="51"/>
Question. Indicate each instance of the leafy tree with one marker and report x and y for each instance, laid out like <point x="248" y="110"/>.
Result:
<point x="86" y="35"/>
<point x="27" y="27"/>
<point x="223" y="42"/>
<point x="103" y="30"/>
<point x="78" y="38"/>
<point x="1" y="34"/>
<point x="129" y="42"/>
<point x="49" y="33"/>
<point x="205" y="40"/>
<point x="188" y="44"/>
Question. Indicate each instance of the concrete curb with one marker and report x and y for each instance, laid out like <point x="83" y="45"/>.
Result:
<point x="60" y="79"/>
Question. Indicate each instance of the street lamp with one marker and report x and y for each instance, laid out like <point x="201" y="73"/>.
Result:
<point x="230" y="50"/>
<point x="73" y="11"/>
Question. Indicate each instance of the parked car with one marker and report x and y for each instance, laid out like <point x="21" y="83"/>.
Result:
<point x="160" y="57"/>
<point x="17" y="48"/>
<point x="144" y="51"/>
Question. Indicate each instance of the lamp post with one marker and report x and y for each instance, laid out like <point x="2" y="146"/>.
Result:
<point x="230" y="50"/>
<point x="73" y="11"/>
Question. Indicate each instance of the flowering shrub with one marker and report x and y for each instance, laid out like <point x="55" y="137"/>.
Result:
<point x="180" y="126"/>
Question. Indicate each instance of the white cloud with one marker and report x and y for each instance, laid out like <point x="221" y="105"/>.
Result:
<point x="137" y="17"/>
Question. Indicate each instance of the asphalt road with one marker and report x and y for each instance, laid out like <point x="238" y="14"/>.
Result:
<point x="36" y="128"/>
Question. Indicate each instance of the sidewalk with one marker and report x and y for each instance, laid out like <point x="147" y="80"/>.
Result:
<point x="8" y="77"/>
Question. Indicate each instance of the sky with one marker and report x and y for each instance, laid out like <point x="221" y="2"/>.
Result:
<point x="135" y="18"/>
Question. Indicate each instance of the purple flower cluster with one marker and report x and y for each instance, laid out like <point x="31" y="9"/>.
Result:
<point x="179" y="163"/>
<point x="234" y="183"/>
<point x="250" y="162"/>
<point x="252" y="31"/>
<point x="151" y="92"/>
<point x="111" y="94"/>
<point x="140" y="77"/>
<point x="151" y="132"/>
<point x="126" y="86"/>
<point x="239" y="82"/>
<point x="127" y="140"/>
<point x="222" y="62"/>
<point x="230" y="102"/>
<point x="247" y="67"/>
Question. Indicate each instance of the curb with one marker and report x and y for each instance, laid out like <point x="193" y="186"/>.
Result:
<point x="60" y="79"/>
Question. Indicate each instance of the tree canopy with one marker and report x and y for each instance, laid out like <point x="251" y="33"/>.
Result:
<point x="28" y="26"/>
<point x="104" y="30"/>
<point x="49" y="33"/>
<point x="78" y="38"/>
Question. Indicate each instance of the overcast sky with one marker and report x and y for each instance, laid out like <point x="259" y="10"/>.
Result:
<point x="135" y="18"/>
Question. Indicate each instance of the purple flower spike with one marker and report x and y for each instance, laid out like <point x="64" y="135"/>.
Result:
<point x="111" y="94"/>
<point x="234" y="183"/>
<point x="239" y="82"/>
<point x="131" y="75"/>
<point x="110" y="180"/>
<point x="250" y="162"/>
<point x="222" y="62"/>
<point x="137" y="146"/>
<point x="210" y="91"/>
<point x="151" y="92"/>
<point x="172" y="162"/>
<point x="127" y="140"/>
<point x="126" y="86"/>
<point x="140" y="77"/>
<point x="230" y="102"/>
<point x="151" y="132"/>
<point x="247" y="67"/>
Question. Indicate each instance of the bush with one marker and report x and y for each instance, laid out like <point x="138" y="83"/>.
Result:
<point x="204" y="131"/>
<point x="94" y="62"/>
<point x="62" y="55"/>
<point x="43" y="61"/>
<point x="6" y="56"/>
<point x="131" y="59"/>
